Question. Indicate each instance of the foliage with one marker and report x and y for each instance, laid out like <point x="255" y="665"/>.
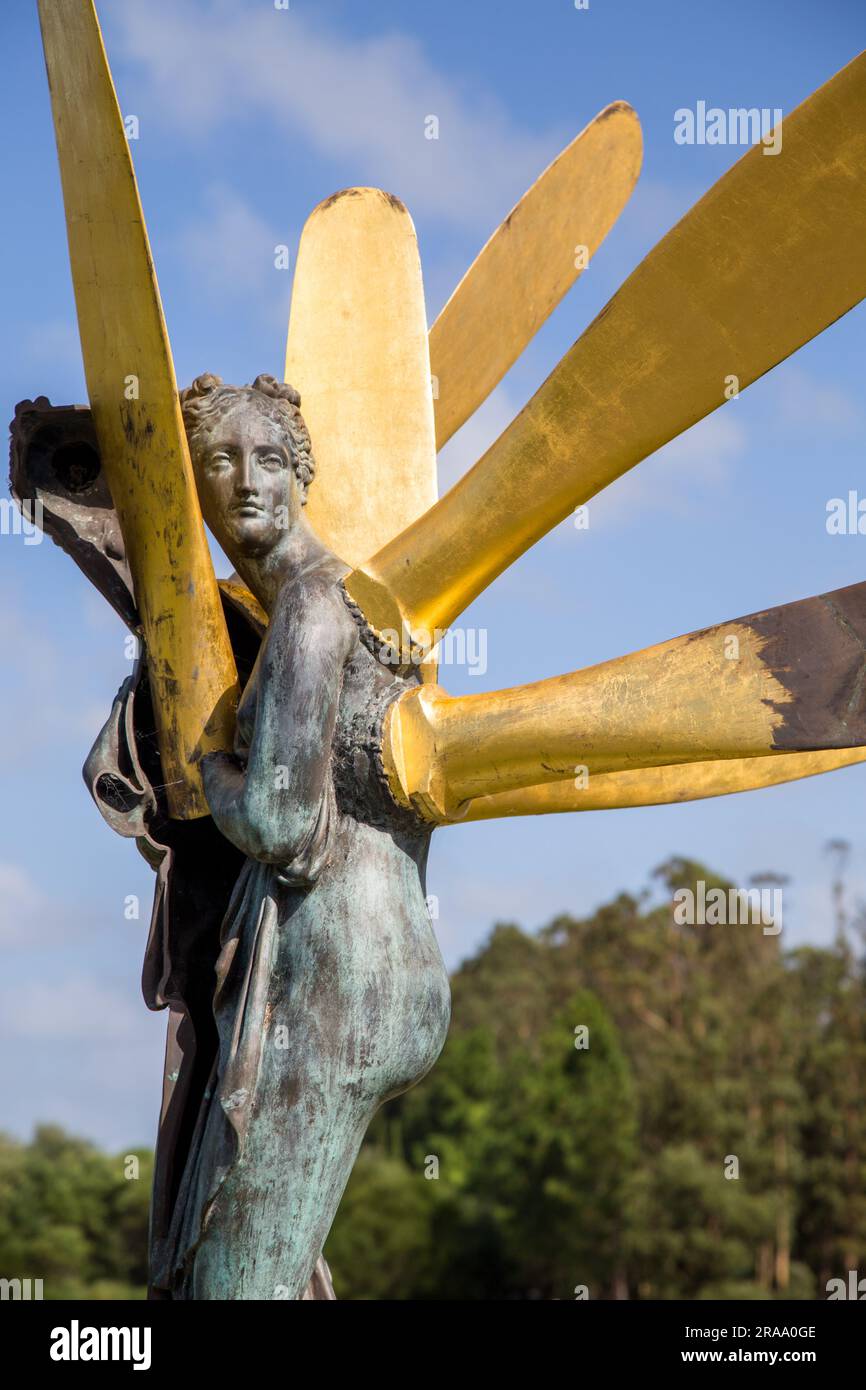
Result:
<point x="624" y="1105"/>
<point x="70" y="1216"/>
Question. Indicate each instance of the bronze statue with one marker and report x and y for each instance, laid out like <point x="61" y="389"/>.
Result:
<point x="327" y="1002"/>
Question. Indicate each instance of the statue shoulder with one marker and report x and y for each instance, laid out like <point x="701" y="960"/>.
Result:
<point x="312" y="602"/>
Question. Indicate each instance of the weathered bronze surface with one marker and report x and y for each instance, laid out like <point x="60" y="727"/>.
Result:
<point x="290" y="940"/>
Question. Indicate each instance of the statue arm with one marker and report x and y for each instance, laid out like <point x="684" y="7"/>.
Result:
<point x="276" y="807"/>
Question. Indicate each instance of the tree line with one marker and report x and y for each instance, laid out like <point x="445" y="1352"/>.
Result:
<point x="626" y="1107"/>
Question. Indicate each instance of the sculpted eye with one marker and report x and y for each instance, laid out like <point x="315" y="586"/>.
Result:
<point x="273" y="461"/>
<point x="219" y="460"/>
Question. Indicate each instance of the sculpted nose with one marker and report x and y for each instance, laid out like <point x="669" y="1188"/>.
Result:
<point x="244" y="484"/>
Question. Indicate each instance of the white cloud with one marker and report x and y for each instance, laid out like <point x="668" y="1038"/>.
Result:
<point x="210" y="64"/>
<point x="230" y="250"/>
<point x="35" y="919"/>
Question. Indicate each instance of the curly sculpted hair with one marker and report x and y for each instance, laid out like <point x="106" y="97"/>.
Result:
<point x="205" y="402"/>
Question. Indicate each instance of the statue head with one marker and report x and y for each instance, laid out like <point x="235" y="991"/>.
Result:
<point x="252" y="460"/>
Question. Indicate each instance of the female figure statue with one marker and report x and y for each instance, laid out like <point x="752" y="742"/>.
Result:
<point x="330" y="994"/>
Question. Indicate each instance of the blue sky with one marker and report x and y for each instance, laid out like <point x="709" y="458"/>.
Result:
<point x="249" y="116"/>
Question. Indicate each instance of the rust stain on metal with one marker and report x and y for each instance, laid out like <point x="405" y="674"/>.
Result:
<point x="816" y="650"/>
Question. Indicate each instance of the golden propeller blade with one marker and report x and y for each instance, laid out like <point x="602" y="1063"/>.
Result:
<point x="768" y="258"/>
<point x="357" y="352"/>
<point x="659" y="786"/>
<point x="789" y="679"/>
<point x="133" y="395"/>
<point x="530" y="262"/>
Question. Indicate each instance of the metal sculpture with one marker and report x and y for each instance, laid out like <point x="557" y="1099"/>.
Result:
<point x="290" y="938"/>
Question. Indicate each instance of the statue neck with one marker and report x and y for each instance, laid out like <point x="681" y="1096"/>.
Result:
<point x="264" y="575"/>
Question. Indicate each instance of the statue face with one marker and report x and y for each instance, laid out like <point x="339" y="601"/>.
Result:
<point x="246" y="483"/>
